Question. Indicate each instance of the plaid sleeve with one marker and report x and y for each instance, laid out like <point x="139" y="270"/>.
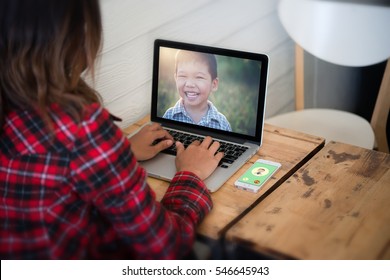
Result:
<point x="195" y="204"/>
<point x="107" y="175"/>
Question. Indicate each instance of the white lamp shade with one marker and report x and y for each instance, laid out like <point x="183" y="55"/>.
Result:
<point x="344" y="33"/>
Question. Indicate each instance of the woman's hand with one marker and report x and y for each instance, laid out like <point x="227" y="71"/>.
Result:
<point x="142" y="142"/>
<point x="199" y="158"/>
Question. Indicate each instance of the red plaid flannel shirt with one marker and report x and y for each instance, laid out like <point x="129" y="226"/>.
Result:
<point x="82" y="194"/>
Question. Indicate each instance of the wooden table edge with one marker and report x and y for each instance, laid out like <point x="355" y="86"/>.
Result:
<point x="284" y="178"/>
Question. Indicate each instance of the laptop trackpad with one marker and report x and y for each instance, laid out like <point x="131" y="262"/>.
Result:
<point x="162" y="166"/>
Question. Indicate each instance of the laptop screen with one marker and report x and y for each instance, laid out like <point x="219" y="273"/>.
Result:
<point x="212" y="89"/>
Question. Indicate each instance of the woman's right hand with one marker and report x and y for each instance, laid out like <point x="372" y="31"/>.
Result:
<point x="199" y="158"/>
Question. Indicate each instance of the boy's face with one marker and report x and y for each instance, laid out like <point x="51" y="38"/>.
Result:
<point x="194" y="82"/>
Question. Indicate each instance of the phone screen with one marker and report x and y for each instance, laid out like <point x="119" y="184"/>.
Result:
<point x="258" y="173"/>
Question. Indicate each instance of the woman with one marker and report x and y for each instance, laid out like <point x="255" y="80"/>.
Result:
<point x="70" y="183"/>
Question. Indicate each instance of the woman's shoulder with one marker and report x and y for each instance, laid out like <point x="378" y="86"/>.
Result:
<point x="67" y="129"/>
<point x="91" y="113"/>
<point x="26" y="132"/>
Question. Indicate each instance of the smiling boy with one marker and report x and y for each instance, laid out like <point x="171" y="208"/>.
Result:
<point x="196" y="78"/>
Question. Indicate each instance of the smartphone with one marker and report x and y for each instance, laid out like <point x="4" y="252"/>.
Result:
<point x="256" y="175"/>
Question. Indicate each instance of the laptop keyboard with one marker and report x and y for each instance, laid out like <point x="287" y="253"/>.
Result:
<point x="231" y="151"/>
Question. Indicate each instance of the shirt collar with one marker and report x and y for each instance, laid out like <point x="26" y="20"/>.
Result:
<point x="212" y="112"/>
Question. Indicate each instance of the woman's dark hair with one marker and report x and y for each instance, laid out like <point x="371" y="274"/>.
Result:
<point x="45" y="46"/>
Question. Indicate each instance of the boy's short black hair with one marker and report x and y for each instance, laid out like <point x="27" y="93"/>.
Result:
<point x="209" y="59"/>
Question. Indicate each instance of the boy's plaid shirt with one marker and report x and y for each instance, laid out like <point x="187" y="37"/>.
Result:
<point x="82" y="194"/>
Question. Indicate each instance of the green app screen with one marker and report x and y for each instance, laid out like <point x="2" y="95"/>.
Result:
<point x="257" y="174"/>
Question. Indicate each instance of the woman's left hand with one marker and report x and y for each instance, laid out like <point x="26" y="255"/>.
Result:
<point x="142" y="142"/>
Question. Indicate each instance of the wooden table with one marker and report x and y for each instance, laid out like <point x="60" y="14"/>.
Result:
<point x="337" y="206"/>
<point x="292" y="149"/>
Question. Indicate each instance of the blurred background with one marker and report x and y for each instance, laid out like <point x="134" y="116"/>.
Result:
<point x="130" y="27"/>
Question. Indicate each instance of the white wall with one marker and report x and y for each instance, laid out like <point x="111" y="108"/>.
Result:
<point x="130" y="27"/>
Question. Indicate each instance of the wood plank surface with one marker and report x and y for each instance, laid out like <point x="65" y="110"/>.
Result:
<point x="292" y="149"/>
<point x="335" y="207"/>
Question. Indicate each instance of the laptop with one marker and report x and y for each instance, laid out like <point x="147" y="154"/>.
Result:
<point x="240" y="97"/>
